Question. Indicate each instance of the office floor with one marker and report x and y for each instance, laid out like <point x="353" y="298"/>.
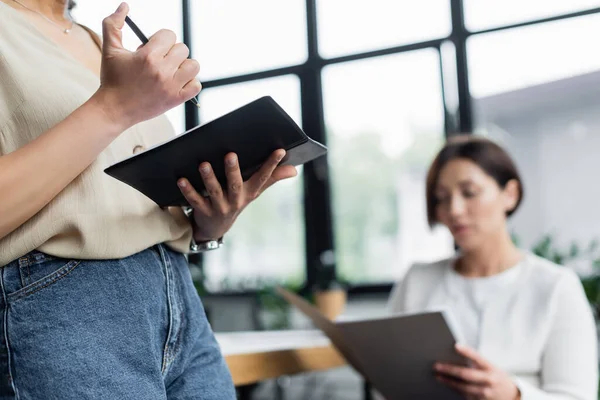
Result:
<point x="342" y="384"/>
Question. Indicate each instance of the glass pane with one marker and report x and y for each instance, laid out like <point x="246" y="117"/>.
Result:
<point x="233" y="37"/>
<point x="150" y="16"/>
<point x="551" y="128"/>
<point x="518" y="58"/>
<point x="493" y="13"/>
<point x="267" y="240"/>
<point x="356" y="26"/>
<point x="382" y="137"/>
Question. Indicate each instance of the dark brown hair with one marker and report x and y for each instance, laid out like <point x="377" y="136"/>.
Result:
<point x="489" y="156"/>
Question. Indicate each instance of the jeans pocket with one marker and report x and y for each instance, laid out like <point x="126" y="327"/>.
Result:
<point x="37" y="271"/>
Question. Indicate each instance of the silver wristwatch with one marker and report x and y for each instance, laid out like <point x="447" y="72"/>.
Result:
<point x="201" y="247"/>
<point x="205" y="246"/>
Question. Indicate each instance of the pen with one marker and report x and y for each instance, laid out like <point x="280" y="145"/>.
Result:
<point x="136" y="30"/>
<point x="144" y="40"/>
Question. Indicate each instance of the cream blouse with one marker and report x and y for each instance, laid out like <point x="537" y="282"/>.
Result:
<point x="96" y="216"/>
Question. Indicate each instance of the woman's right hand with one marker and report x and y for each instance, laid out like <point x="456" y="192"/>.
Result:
<point x="137" y="86"/>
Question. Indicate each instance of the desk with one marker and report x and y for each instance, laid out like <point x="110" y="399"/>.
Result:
<point x="256" y="356"/>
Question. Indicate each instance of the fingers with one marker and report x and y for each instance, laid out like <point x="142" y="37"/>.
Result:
<point x="213" y="187"/>
<point x="281" y="172"/>
<point x="191" y="89"/>
<point x="112" y="37"/>
<point x="186" y="71"/>
<point x="160" y="43"/>
<point x="258" y="181"/>
<point x="472" y="355"/>
<point x="477" y="391"/>
<point x="470" y="375"/>
<point x="193" y="198"/>
<point x="186" y="76"/>
<point x="235" y="182"/>
<point x="177" y="55"/>
<point x="232" y="198"/>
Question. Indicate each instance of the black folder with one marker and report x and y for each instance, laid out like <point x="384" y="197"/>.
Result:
<point x="252" y="131"/>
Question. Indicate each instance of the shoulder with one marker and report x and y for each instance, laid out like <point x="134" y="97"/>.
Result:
<point x="429" y="270"/>
<point x="546" y="273"/>
<point x="12" y="26"/>
<point x="418" y="282"/>
<point x="15" y="50"/>
<point x="95" y="36"/>
<point x="549" y="280"/>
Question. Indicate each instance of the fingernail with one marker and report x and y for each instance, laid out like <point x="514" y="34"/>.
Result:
<point x="459" y="346"/>
<point x="205" y="169"/>
<point x="280" y="156"/>
<point x="120" y="8"/>
<point x="231" y="161"/>
<point x="182" y="183"/>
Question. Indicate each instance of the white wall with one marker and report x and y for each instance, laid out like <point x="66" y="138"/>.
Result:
<point x="557" y="152"/>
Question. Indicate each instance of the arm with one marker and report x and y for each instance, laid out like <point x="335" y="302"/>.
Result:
<point x="135" y="86"/>
<point x="570" y="361"/>
<point x="34" y="174"/>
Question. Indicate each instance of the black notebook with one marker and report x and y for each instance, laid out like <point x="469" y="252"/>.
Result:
<point x="252" y="131"/>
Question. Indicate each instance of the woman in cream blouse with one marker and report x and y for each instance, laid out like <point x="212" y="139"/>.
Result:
<point x="96" y="300"/>
<point x="523" y="321"/>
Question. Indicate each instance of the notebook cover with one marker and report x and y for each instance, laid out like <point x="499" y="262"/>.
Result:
<point x="399" y="351"/>
<point x="324" y="324"/>
<point x="394" y="353"/>
<point x="252" y="131"/>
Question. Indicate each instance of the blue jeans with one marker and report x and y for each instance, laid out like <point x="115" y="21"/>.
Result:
<point x="113" y="329"/>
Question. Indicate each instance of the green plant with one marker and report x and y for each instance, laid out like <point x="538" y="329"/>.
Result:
<point x="274" y="309"/>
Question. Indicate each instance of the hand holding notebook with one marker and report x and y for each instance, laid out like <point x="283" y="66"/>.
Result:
<point x="253" y="132"/>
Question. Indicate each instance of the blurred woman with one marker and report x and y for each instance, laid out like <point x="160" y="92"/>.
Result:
<point x="524" y="322"/>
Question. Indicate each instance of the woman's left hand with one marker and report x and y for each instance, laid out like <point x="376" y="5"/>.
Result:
<point x="214" y="215"/>
<point x="482" y="381"/>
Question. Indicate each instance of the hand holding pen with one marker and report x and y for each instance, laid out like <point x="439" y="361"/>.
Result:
<point x="138" y="32"/>
<point x="137" y="86"/>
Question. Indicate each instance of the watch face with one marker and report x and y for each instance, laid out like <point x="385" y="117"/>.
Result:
<point x="205" y="246"/>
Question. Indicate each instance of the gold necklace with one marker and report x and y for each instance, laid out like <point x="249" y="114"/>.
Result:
<point x="65" y="30"/>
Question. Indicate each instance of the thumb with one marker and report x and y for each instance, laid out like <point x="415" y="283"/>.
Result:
<point x="111" y="29"/>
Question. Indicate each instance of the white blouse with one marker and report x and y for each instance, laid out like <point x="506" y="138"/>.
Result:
<point x="532" y="320"/>
<point x="472" y="297"/>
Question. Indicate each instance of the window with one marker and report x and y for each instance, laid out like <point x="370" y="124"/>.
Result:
<point x="233" y="37"/>
<point x="538" y="96"/>
<point x="267" y="241"/>
<point x="518" y="58"/>
<point x="356" y="26"/>
<point x="150" y="16"/>
<point x="384" y="119"/>
<point x="492" y="13"/>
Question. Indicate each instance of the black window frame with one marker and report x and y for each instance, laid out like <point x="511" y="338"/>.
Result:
<point x="317" y="203"/>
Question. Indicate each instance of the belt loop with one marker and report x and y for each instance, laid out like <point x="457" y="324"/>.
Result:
<point x="24" y="261"/>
